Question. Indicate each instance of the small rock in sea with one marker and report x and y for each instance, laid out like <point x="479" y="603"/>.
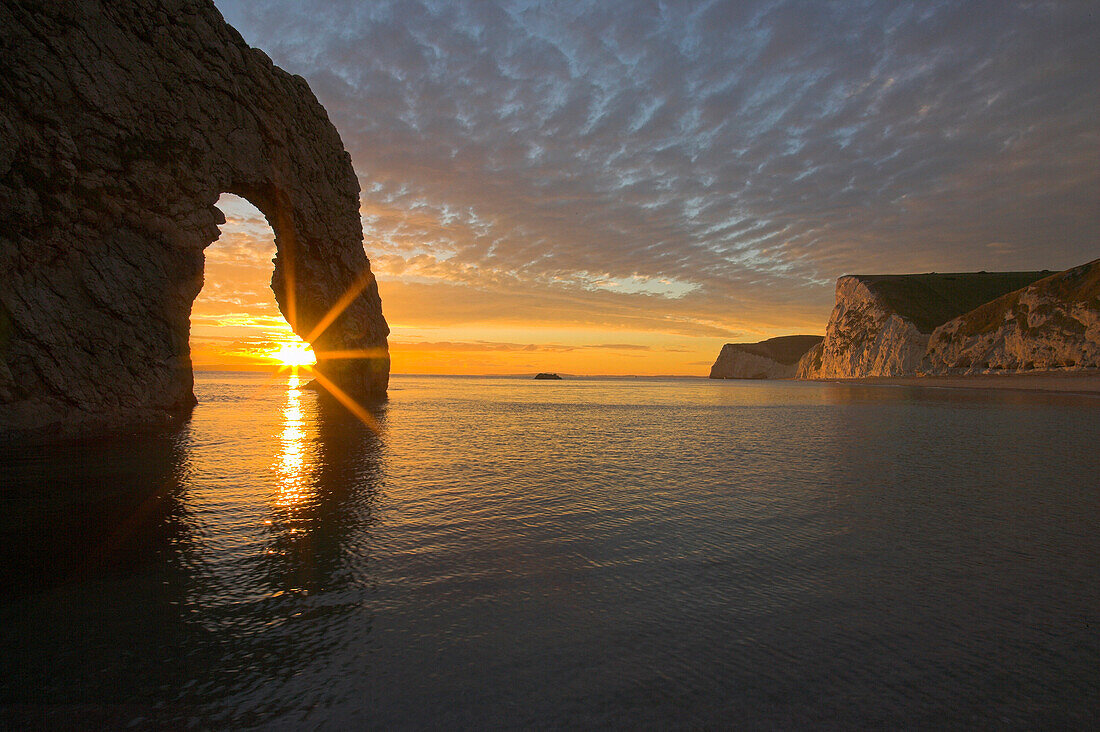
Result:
<point x="544" y="376"/>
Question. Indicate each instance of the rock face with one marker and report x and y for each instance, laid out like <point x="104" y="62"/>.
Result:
<point x="775" y="358"/>
<point x="1053" y="323"/>
<point x="120" y="125"/>
<point x="881" y="324"/>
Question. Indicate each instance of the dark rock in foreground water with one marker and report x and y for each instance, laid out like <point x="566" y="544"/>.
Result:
<point x="120" y="126"/>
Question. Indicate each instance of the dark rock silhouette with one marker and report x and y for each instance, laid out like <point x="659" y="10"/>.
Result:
<point x="547" y="377"/>
<point x="775" y="358"/>
<point x="120" y="125"/>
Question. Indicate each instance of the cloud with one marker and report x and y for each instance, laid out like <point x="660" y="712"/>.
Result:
<point x="697" y="168"/>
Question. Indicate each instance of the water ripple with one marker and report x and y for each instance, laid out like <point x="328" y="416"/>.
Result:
<point x="677" y="553"/>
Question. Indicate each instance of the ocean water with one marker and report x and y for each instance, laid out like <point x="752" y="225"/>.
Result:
<point x="673" y="553"/>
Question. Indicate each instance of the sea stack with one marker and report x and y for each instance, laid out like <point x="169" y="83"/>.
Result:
<point x="120" y="126"/>
<point x="775" y="358"/>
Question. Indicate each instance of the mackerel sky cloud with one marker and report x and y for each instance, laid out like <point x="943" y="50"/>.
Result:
<point x="697" y="170"/>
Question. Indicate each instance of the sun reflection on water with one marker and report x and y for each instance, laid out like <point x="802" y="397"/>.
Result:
<point x="291" y="467"/>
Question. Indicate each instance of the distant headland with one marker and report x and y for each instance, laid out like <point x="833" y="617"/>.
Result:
<point x="775" y="358"/>
<point x="933" y="324"/>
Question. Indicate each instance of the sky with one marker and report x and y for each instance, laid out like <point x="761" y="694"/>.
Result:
<point x="622" y="187"/>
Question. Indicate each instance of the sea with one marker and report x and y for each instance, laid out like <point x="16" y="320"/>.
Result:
<point x="482" y="552"/>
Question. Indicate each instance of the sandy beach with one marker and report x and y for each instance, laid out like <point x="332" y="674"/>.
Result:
<point x="1069" y="382"/>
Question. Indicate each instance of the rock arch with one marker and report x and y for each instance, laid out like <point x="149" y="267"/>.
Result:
<point x="120" y="126"/>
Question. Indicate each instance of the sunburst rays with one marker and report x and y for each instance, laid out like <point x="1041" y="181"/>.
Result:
<point x="361" y="282"/>
<point x="349" y="403"/>
<point x="295" y="357"/>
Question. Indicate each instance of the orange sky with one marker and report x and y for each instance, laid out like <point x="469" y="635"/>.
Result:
<point x="447" y="325"/>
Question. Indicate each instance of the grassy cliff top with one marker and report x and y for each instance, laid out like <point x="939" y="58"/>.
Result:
<point x="784" y="349"/>
<point x="1076" y="285"/>
<point x="930" y="300"/>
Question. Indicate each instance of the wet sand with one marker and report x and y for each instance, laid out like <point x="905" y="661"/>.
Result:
<point x="1069" y="382"/>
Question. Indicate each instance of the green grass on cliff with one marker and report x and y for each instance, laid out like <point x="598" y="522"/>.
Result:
<point x="784" y="349"/>
<point x="1077" y="285"/>
<point x="930" y="300"/>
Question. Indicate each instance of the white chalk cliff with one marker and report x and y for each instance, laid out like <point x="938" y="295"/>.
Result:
<point x="1052" y="324"/>
<point x="977" y="322"/>
<point x="864" y="337"/>
<point x="775" y="358"/>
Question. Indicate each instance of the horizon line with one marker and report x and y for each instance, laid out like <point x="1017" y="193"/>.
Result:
<point x="275" y="369"/>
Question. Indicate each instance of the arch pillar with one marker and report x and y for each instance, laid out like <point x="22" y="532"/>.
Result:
<point x="110" y="166"/>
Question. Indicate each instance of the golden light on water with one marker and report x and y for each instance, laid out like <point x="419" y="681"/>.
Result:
<point x="274" y="341"/>
<point x="291" y="465"/>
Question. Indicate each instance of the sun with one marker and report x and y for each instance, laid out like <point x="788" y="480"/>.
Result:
<point x="294" y="354"/>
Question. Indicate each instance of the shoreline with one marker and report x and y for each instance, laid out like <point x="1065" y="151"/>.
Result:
<point x="1082" y="382"/>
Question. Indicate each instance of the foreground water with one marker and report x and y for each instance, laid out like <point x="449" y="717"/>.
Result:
<point x="625" y="552"/>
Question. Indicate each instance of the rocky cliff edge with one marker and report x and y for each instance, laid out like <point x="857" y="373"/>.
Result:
<point x="775" y="358"/>
<point x="881" y="324"/>
<point x="1051" y="324"/>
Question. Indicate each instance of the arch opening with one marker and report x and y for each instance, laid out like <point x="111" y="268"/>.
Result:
<point x="236" y="322"/>
<point x="113" y="204"/>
